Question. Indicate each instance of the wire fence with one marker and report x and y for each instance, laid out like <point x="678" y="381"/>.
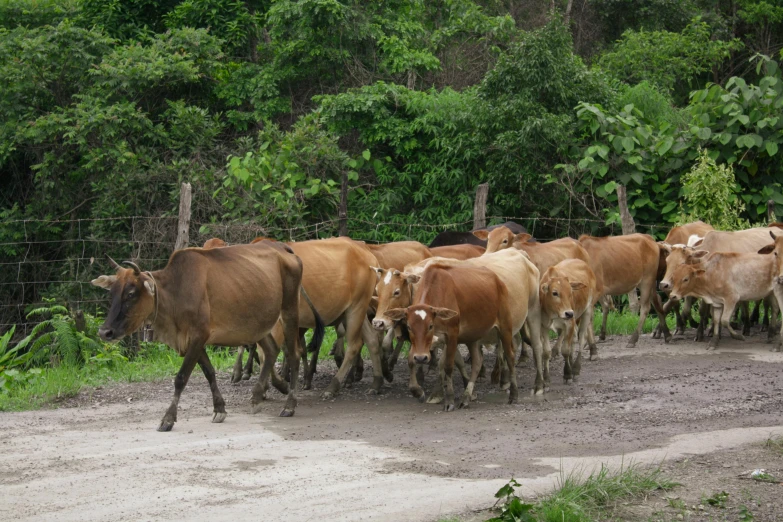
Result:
<point x="57" y="259"/>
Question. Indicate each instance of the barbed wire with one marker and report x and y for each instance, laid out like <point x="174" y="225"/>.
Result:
<point x="46" y="263"/>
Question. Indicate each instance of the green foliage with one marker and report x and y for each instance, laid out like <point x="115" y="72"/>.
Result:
<point x="670" y="61"/>
<point x="742" y="125"/>
<point x="717" y="499"/>
<point x="710" y="194"/>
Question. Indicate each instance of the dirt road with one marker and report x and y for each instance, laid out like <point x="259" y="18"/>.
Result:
<point x="387" y="457"/>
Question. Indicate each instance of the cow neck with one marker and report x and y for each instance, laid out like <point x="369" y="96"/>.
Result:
<point x="154" y="295"/>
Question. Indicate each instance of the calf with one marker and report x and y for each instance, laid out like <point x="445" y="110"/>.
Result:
<point x="724" y="279"/>
<point x="568" y="295"/>
<point x="466" y="305"/>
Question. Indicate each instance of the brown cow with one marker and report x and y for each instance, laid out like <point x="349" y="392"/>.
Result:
<point x="226" y="296"/>
<point x="466" y="304"/>
<point x="568" y="295"/>
<point x="457" y="251"/>
<point x="688" y="234"/>
<point x="621" y="264"/>
<point x="724" y="279"/>
<point x="398" y="254"/>
<point x="214" y="242"/>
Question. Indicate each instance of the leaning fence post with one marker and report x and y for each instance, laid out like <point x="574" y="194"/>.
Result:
<point x="629" y="227"/>
<point x="771" y="212"/>
<point x="183" y="225"/>
<point x="480" y="207"/>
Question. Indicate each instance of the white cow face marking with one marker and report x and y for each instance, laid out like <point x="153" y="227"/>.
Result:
<point x="387" y="278"/>
<point x="421" y="313"/>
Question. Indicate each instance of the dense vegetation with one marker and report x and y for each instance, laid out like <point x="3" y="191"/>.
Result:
<point x="275" y="110"/>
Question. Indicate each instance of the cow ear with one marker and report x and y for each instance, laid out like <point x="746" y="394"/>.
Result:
<point x="545" y="287"/>
<point x="444" y="314"/>
<point x="767" y="249"/>
<point x="378" y="271"/>
<point x="374" y="302"/>
<point x="665" y="246"/>
<point x="150" y="287"/>
<point x="577" y="285"/>
<point x="104" y="281"/>
<point x="699" y="271"/>
<point x="522" y="237"/>
<point x="481" y="234"/>
<point x="411" y="278"/>
<point x="772" y="234"/>
<point x="396" y="314"/>
<point x="699" y="254"/>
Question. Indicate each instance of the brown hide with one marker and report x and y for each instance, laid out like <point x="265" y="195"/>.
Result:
<point x="680" y="235"/>
<point x="398" y="254"/>
<point x="462" y="252"/>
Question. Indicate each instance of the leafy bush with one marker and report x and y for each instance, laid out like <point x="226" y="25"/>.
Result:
<point x="711" y="194"/>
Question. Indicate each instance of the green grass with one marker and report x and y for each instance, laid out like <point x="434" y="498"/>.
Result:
<point x="153" y="363"/>
<point x="775" y="444"/>
<point x="625" y="323"/>
<point x="584" y="499"/>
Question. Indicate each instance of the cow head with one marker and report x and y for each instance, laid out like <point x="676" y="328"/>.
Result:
<point x="394" y="290"/>
<point x="132" y="300"/>
<point x="685" y="278"/>
<point x="556" y="295"/>
<point x="677" y="255"/>
<point x="500" y="238"/>
<point x="776" y="249"/>
<point x="422" y="322"/>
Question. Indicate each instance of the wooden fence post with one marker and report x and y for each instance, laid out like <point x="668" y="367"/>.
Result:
<point x="629" y="227"/>
<point x="480" y="207"/>
<point x="183" y="226"/>
<point x="771" y="212"/>
<point x="342" y="211"/>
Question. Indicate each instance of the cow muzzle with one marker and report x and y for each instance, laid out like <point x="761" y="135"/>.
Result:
<point x="780" y="279"/>
<point x="421" y="359"/>
<point x="663" y="286"/>
<point x="568" y="314"/>
<point x="380" y="324"/>
<point x="107" y="334"/>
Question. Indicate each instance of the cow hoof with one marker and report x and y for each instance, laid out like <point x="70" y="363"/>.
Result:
<point x="448" y="407"/>
<point x="505" y="386"/>
<point x="287" y="413"/>
<point x="667" y="338"/>
<point x="464" y="404"/>
<point x="434" y="399"/>
<point x="630" y="345"/>
<point x="235" y="378"/>
<point x="737" y="337"/>
<point x="389" y="376"/>
<point x="711" y="347"/>
<point x="245" y="376"/>
<point x="373" y="391"/>
<point x="165" y="426"/>
<point x="218" y="417"/>
<point x="307" y="386"/>
<point x="568" y="380"/>
<point x="523" y="362"/>
<point x="539" y="391"/>
<point x="327" y="395"/>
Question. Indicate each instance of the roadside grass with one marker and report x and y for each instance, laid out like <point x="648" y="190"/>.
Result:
<point x="156" y="361"/>
<point x="775" y="444"/>
<point x="584" y="499"/>
<point x="625" y="323"/>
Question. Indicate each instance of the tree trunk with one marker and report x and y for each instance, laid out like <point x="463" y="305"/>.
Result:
<point x="771" y="212"/>
<point x="629" y="227"/>
<point x="480" y="207"/>
<point x="342" y="212"/>
<point x="567" y="17"/>
<point x="183" y="226"/>
<point x="411" y="80"/>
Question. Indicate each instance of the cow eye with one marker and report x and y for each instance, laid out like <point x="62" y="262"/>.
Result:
<point x="396" y="292"/>
<point x="555" y="294"/>
<point x="505" y="241"/>
<point x="131" y="293"/>
<point x="431" y="327"/>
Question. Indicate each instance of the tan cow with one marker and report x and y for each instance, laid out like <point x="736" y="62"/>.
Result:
<point x="723" y="279"/>
<point x="399" y="253"/>
<point x="688" y="234"/>
<point x="225" y="296"/>
<point x="621" y="264"/>
<point x="457" y="251"/>
<point x="465" y="304"/>
<point x="568" y="295"/>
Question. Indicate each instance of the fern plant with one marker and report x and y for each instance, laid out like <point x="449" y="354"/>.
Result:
<point x="57" y="336"/>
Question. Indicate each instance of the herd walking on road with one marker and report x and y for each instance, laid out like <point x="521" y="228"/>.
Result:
<point x="496" y="286"/>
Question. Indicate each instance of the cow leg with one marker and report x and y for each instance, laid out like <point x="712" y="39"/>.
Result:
<point x="568" y="345"/>
<point x="658" y="306"/>
<point x="605" y="315"/>
<point x="373" y="346"/>
<point x="310" y="369"/>
<point x="396" y="353"/>
<point x="192" y="355"/>
<point x="546" y="355"/>
<point x="236" y="373"/>
<point x="771" y="316"/>
<point x="704" y="312"/>
<point x="494" y="377"/>
<point x="270" y="350"/>
<point x="252" y="352"/>
<point x="413" y="382"/>
<point x="219" y="405"/>
<point x="476" y="357"/>
<point x="500" y="358"/>
<point x="717" y="312"/>
<point x="448" y="369"/>
<point x="387" y="345"/>
<point x="534" y="323"/>
<point x="338" y="347"/>
<point x="525" y="339"/>
<point x="436" y="397"/>
<point x="728" y="311"/>
<point x="687" y="311"/>
<point x="558" y="343"/>
<point x="778" y="304"/>
<point x="746" y="320"/>
<point x="755" y="316"/>
<point x="590" y="333"/>
<point x="303" y="351"/>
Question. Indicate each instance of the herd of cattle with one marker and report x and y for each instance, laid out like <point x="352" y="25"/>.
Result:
<point x="497" y="286"/>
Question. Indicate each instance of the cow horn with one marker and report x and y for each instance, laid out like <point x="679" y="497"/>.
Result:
<point x="114" y="264"/>
<point x="134" y="266"/>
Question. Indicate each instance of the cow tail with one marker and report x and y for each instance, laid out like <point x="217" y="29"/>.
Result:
<point x="319" y="330"/>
